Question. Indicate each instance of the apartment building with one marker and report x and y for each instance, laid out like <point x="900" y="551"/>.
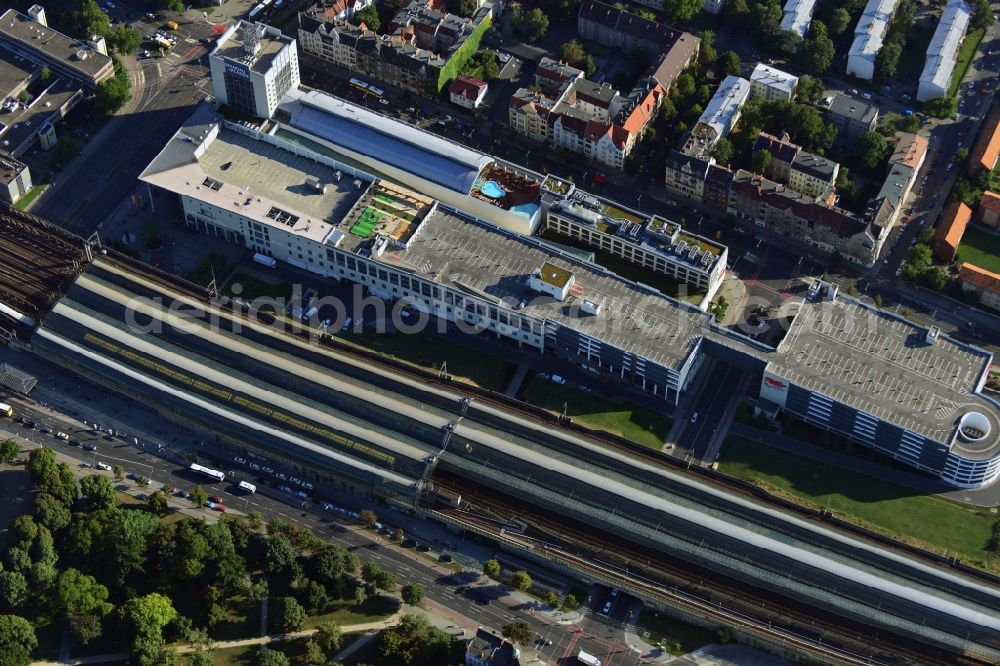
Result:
<point x="949" y="232"/>
<point x="253" y="65"/>
<point x="421" y="51"/>
<point x="813" y="175"/>
<point x="772" y="83"/>
<point x="852" y="118"/>
<point x="985" y="284"/>
<point x="869" y="34"/>
<point x="942" y="52"/>
<point x="616" y="28"/>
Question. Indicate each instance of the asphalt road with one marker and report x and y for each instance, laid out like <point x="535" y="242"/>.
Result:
<point x="165" y="466"/>
<point x="707" y="413"/>
<point x="165" y="91"/>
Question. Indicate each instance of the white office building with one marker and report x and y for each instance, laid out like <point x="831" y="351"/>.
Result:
<point x="723" y="110"/>
<point x="868" y="36"/>
<point x="797" y="16"/>
<point x="253" y="66"/>
<point x="771" y="83"/>
<point x="942" y="53"/>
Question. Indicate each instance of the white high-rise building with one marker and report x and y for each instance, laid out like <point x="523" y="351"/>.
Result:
<point x="253" y="66"/>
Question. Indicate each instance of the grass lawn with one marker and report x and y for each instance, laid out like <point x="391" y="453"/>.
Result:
<point x="641" y="425"/>
<point x="666" y="630"/>
<point x="241" y="620"/>
<point x="345" y="612"/>
<point x="965" y="55"/>
<point x="124" y="499"/>
<point x="981" y="248"/>
<point x="251" y="288"/>
<point x="294" y="649"/>
<point x="31" y="195"/>
<point x="930" y="522"/>
<point x="428" y="351"/>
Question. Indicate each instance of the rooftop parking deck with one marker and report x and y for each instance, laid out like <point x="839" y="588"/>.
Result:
<point x="884" y="365"/>
<point x="497" y="265"/>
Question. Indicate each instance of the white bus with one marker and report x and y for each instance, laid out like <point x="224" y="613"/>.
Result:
<point x="248" y="488"/>
<point x="6" y="410"/>
<point x="210" y="473"/>
<point x="256" y="10"/>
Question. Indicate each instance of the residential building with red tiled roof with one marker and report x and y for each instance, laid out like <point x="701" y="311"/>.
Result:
<point x="988" y="212"/>
<point x="467" y="91"/>
<point x="949" y="233"/>
<point x="981" y="281"/>
<point x="987" y="148"/>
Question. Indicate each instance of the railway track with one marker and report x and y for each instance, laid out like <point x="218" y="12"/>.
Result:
<point x="531" y="413"/>
<point x="645" y="571"/>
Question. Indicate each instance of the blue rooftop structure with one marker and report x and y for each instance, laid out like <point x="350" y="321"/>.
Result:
<point x="397" y="144"/>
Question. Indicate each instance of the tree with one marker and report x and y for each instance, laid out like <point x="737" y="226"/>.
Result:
<point x="491" y="568"/>
<point x="90" y="20"/>
<point x="157" y="503"/>
<point x="151" y="235"/>
<point x="840" y="21"/>
<point x="573" y="53"/>
<point x="887" y="61"/>
<point x="531" y="25"/>
<point x="199" y="496"/>
<point x="61" y="484"/>
<point x="368" y="16"/>
<point x="723" y="151"/>
<point x="314" y="655"/>
<point x="368" y="517"/>
<point x="412" y="594"/>
<point x="113" y="94"/>
<point x="127" y="531"/>
<point x="518" y="632"/>
<point x="685" y="85"/>
<point x="570" y="602"/>
<point x="98" y="492"/>
<point x="552" y="599"/>
<point x="126" y="39"/>
<point x="41" y="465"/>
<point x="765" y="19"/>
<point x="462" y="7"/>
<point x="818" y="50"/>
<point x="13" y="588"/>
<point x="316" y="596"/>
<point x="9" y="451"/>
<point x="118" y="472"/>
<point x="23" y="530"/>
<point x="982" y="15"/>
<point x="809" y="89"/>
<point x="878" y="300"/>
<point x="872" y="148"/>
<point x="85" y="628"/>
<point x="728" y="64"/>
<point x="271" y="658"/>
<point x="385" y="580"/>
<point x="761" y="161"/>
<point x="370" y="572"/>
<point x="936" y="278"/>
<point x="77" y="593"/>
<point x="520" y="580"/>
<point x="397" y="534"/>
<point x="51" y="512"/>
<point x="329" y="638"/>
<point x="667" y="110"/>
<point x="681" y="11"/>
<point x="279" y="553"/>
<point x="287" y="614"/>
<point x="17" y="641"/>
<point x="146" y="616"/>
<point x="706" y="51"/>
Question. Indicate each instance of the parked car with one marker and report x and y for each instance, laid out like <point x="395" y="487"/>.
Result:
<point x="105" y="466"/>
<point x="89" y="447"/>
<point x="74" y="442"/>
<point x="694" y="417"/>
<point x="219" y="507"/>
<point x="558" y="380"/>
<point x="61" y="435"/>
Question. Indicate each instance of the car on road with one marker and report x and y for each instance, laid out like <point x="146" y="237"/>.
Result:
<point x="216" y="499"/>
<point x="694" y="417"/>
<point x="170" y="490"/>
<point x="89" y="447"/>
<point x="101" y="465"/>
<point x="61" y="435"/>
<point x="46" y="430"/>
<point x="74" y="442"/>
<point x="558" y="380"/>
<point x="899" y="271"/>
<point x="866" y="95"/>
<point x="585" y="389"/>
<point x="285" y="489"/>
<point x="607" y="607"/>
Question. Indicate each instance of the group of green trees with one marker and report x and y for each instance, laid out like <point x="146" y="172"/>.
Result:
<point x="919" y="268"/>
<point x="115" y="92"/>
<point x="887" y="59"/>
<point x="123" y="574"/>
<point x="521" y="580"/>
<point x="530" y="24"/>
<point x="573" y="54"/>
<point x="803" y="123"/>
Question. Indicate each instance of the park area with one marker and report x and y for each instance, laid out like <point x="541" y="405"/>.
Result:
<point x="639" y="424"/>
<point x="981" y="248"/>
<point x="933" y="523"/>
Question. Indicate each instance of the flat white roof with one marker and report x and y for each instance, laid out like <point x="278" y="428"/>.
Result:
<point x="774" y="78"/>
<point x="725" y="104"/>
<point x="798" y="16"/>
<point x="871" y="28"/>
<point x="942" y="52"/>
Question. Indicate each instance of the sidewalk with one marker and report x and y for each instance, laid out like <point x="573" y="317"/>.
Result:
<point x="223" y="645"/>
